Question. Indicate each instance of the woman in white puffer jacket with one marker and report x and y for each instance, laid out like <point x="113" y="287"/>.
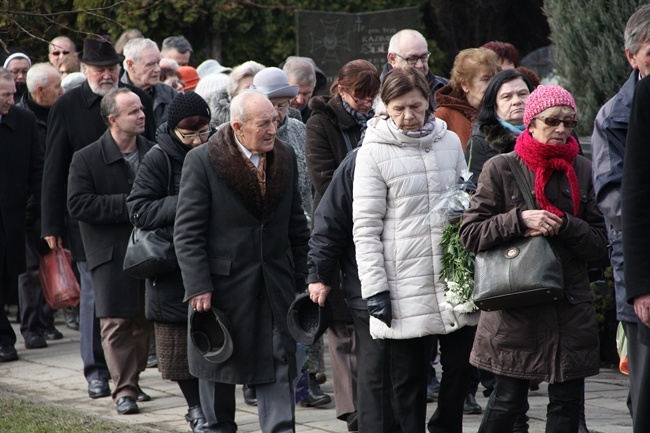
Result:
<point x="407" y="161"/>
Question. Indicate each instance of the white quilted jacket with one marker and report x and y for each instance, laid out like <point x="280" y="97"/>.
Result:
<point x="397" y="181"/>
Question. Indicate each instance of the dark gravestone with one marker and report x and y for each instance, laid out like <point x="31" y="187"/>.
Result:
<point x="333" y="39"/>
<point x="539" y="61"/>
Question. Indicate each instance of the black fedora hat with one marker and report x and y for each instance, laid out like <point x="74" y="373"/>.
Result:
<point x="209" y="332"/>
<point x="99" y="52"/>
<point x="307" y="320"/>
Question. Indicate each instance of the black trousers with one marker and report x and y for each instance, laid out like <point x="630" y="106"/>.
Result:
<point x="639" y="365"/>
<point x="454" y="381"/>
<point x="374" y="391"/>
<point x="35" y="313"/>
<point x="510" y="396"/>
<point x="7" y="334"/>
<point x="408" y="364"/>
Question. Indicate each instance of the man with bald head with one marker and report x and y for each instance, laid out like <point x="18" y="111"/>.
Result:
<point x="409" y="48"/>
<point x="37" y="320"/>
<point x="241" y="241"/>
<point x="59" y="47"/>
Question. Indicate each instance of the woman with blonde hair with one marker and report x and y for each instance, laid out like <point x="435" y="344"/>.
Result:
<point x="459" y="101"/>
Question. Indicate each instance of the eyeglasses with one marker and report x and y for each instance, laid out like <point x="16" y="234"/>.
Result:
<point x="58" y="53"/>
<point x="282" y="107"/>
<point x="356" y="100"/>
<point x="553" y="121"/>
<point x="18" y="72"/>
<point x="412" y="61"/>
<point x="201" y="135"/>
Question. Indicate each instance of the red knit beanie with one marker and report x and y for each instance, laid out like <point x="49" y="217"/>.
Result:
<point x="544" y="97"/>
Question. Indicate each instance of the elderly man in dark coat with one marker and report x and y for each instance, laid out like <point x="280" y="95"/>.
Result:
<point x="21" y="167"/>
<point x="241" y="241"/>
<point x="75" y="122"/>
<point x="101" y="177"/>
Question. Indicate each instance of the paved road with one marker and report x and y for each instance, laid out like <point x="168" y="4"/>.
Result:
<point x="53" y="375"/>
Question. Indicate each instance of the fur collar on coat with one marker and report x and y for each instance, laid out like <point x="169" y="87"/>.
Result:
<point x="231" y="168"/>
<point x="450" y="98"/>
<point x="497" y="136"/>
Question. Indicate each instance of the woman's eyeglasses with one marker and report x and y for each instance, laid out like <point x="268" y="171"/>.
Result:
<point x="202" y="135"/>
<point x="553" y="121"/>
<point x="356" y="100"/>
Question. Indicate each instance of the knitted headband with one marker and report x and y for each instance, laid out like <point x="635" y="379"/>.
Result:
<point x="544" y="97"/>
<point x="186" y="105"/>
<point x="16" y="56"/>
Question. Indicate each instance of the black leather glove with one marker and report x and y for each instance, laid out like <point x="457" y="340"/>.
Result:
<point x="379" y="307"/>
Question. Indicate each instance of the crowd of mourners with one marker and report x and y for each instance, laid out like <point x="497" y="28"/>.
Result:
<point x="269" y="184"/>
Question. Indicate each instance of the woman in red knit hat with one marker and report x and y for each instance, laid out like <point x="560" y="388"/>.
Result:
<point x="553" y="342"/>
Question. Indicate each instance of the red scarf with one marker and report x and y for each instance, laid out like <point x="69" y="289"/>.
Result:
<point x="543" y="160"/>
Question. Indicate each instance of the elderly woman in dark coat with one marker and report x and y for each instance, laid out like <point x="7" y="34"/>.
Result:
<point x="553" y="342"/>
<point x="151" y="206"/>
<point x="500" y="120"/>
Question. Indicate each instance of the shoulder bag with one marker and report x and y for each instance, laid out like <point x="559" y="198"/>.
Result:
<point x="151" y="252"/>
<point x="519" y="273"/>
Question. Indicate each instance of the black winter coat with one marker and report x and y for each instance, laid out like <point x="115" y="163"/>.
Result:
<point x="99" y="181"/>
<point x="489" y="138"/>
<point x="151" y="206"/>
<point x="331" y="244"/>
<point x="326" y="146"/>
<point x="244" y="249"/>
<point x="21" y="168"/>
<point x="74" y="122"/>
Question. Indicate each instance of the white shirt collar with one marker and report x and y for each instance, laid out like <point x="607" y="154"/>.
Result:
<point x="254" y="157"/>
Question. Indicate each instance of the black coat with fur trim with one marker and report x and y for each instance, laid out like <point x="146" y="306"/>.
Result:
<point x="243" y="248"/>
<point x="489" y="139"/>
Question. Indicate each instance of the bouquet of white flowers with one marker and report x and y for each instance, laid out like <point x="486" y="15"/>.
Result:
<point x="457" y="263"/>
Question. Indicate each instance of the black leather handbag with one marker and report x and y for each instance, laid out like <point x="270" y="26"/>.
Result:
<point x="519" y="273"/>
<point x="151" y="252"/>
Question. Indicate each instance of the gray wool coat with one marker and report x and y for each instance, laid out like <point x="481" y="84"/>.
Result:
<point x="247" y="250"/>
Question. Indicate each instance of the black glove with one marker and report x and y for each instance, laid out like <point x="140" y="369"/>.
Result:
<point x="379" y="307"/>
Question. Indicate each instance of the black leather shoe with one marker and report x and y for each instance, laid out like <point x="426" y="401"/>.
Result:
<point x="126" y="406"/>
<point x="35" y="341"/>
<point x="98" y="388"/>
<point x="8" y="353"/>
<point x="152" y="360"/>
<point x="71" y="315"/>
<point x="315" y="396"/>
<point x="196" y="419"/>
<point x="250" y="396"/>
<point x="51" y="334"/>
<point x="143" y="396"/>
<point x="353" y="422"/>
<point x="471" y="407"/>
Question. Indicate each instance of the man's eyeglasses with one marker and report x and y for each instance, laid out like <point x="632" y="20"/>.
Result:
<point x="553" y="121"/>
<point x="282" y="107"/>
<point x="58" y="53"/>
<point x="356" y="100"/>
<point x="412" y="61"/>
<point x="202" y="135"/>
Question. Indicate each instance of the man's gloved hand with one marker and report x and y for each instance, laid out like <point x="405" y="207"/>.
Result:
<point x="379" y="307"/>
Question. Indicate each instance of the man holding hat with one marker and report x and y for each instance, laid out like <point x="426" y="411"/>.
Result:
<point x="241" y="241"/>
<point x="75" y="122"/>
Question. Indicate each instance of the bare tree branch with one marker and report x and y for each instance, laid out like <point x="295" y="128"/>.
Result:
<point x="52" y="14"/>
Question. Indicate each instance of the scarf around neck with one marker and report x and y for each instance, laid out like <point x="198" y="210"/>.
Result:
<point x="427" y="128"/>
<point x="517" y="130"/>
<point x="361" y="119"/>
<point x="543" y="160"/>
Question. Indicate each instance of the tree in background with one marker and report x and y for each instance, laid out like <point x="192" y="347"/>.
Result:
<point x="587" y="37"/>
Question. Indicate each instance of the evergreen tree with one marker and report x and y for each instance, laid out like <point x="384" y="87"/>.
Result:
<point x="588" y="50"/>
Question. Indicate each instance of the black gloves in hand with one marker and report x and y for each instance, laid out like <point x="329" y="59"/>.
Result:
<point x="379" y="307"/>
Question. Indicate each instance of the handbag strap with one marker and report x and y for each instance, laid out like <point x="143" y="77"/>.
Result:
<point x="518" y="173"/>
<point x="170" y="175"/>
